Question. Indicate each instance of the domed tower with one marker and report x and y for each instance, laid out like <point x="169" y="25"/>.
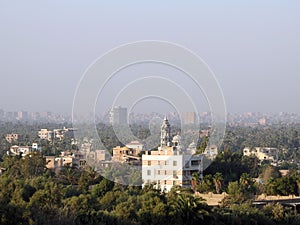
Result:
<point x="165" y="133"/>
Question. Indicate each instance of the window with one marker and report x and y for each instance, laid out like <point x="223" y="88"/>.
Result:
<point x="166" y="163"/>
<point x="174" y="163"/>
<point x="174" y="174"/>
<point x="187" y="164"/>
<point x="195" y="163"/>
<point x="165" y="172"/>
<point x="148" y="172"/>
<point x="158" y="182"/>
<point x="149" y="163"/>
<point x="158" y="162"/>
<point x="165" y="182"/>
<point x="158" y="172"/>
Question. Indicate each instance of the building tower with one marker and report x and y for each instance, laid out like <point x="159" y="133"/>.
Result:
<point x="118" y="115"/>
<point x="165" y="133"/>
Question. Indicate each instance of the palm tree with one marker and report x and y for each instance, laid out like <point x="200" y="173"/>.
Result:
<point x="218" y="179"/>
<point x="188" y="208"/>
<point x="69" y="174"/>
<point x="246" y="180"/>
<point x="195" y="181"/>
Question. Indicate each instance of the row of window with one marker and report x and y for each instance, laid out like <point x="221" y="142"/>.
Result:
<point x="166" y="182"/>
<point x="161" y="162"/>
<point x="164" y="172"/>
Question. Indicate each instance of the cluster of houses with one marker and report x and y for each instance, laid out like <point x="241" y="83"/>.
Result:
<point x="22" y="151"/>
<point x="171" y="164"/>
<point x="263" y="153"/>
<point x="59" y="134"/>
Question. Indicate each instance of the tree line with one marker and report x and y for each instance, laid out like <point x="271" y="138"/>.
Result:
<point x="31" y="194"/>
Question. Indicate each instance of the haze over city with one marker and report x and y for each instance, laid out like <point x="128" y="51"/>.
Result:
<point x="252" y="47"/>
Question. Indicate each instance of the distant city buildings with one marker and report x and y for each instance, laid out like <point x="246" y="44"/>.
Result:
<point x="22" y="115"/>
<point x="25" y="116"/>
<point x="189" y="118"/>
<point x="118" y="115"/>
<point x="262" y="121"/>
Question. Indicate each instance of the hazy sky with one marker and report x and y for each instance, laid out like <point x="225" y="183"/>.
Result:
<point x="253" y="47"/>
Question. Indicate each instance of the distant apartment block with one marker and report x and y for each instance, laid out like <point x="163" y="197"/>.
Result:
<point x="99" y="155"/>
<point x="45" y="134"/>
<point x="22" y="115"/>
<point x="68" y="158"/>
<point x="16" y="150"/>
<point x="118" y="115"/>
<point x="189" y="118"/>
<point x="99" y="158"/>
<point x="77" y="159"/>
<point x="94" y="155"/>
<point x="262" y="153"/>
<point x="125" y="154"/>
<point x="262" y="121"/>
<point x="136" y="145"/>
<point x="49" y="135"/>
<point x="13" y="137"/>
<point x="168" y="166"/>
<point x="86" y="147"/>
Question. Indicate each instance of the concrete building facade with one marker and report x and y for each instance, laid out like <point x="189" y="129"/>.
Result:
<point x="189" y="118"/>
<point x="169" y="166"/>
<point x="118" y="115"/>
<point x="262" y="153"/>
<point x="13" y="137"/>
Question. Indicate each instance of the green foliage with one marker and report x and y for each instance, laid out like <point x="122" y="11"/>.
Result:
<point x="75" y="196"/>
<point x="188" y="209"/>
<point x="206" y="185"/>
<point x="240" y="191"/>
<point x="218" y="180"/>
<point x="32" y="195"/>
<point x="231" y="165"/>
<point x="269" y="172"/>
<point x="201" y="147"/>
<point x="285" y="186"/>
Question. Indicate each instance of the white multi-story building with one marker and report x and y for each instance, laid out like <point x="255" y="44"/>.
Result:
<point x="16" y="150"/>
<point x="169" y="166"/>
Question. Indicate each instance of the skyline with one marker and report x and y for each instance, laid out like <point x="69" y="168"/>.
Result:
<point x="252" y="48"/>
